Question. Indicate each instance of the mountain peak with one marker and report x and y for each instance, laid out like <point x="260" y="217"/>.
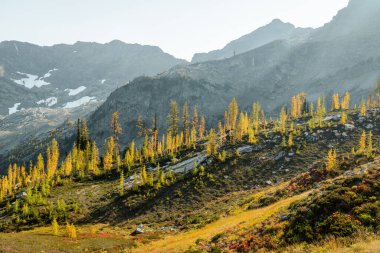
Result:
<point x="275" y="30"/>
<point x="277" y="21"/>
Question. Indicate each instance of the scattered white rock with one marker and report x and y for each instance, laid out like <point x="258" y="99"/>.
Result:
<point x="245" y="149"/>
<point x="335" y="117"/>
<point x="21" y="195"/>
<point x="349" y="127"/>
<point x="139" y="229"/>
<point x="188" y="164"/>
<point x="280" y="155"/>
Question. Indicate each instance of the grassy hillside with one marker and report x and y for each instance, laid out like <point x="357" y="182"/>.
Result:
<point x="292" y="183"/>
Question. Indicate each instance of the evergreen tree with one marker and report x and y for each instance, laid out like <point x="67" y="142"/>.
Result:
<point x="345" y="105"/>
<point x="202" y="128"/>
<point x="185" y="123"/>
<point x="256" y="109"/>
<point x="121" y="184"/>
<point x="140" y="126"/>
<point x="343" y="119"/>
<point x="173" y="119"/>
<point x="143" y="176"/>
<point x="363" y="109"/>
<point x="233" y="112"/>
<point x="40" y="164"/>
<point x="55" y="226"/>
<point x="369" y="144"/>
<point x="195" y="118"/>
<point x="109" y="153"/>
<point x="251" y="136"/>
<point x="331" y="162"/>
<point x="52" y="158"/>
<point x="211" y="145"/>
<point x="283" y="119"/>
<point x="290" y="140"/>
<point x="362" y="143"/>
<point x="115" y="126"/>
<point x="335" y="102"/>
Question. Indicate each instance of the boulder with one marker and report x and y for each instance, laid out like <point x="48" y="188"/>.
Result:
<point x="21" y="195"/>
<point x="312" y="138"/>
<point x="280" y="155"/>
<point x="245" y="149"/>
<point x="349" y="127"/>
<point x="283" y="217"/>
<point x="335" y="118"/>
<point x="139" y="230"/>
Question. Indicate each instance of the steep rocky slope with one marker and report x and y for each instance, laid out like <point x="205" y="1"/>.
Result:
<point x="341" y="56"/>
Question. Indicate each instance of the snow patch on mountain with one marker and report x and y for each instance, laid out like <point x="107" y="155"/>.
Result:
<point x="49" y="101"/>
<point x="73" y="92"/>
<point x="79" y="102"/>
<point x="30" y="80"/>
<point x="48" y="74"/>
<point x="14" y="108"/>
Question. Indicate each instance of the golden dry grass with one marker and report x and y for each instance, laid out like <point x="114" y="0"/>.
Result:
<point x="182" y="241"/>
<point x="43" y="240"/>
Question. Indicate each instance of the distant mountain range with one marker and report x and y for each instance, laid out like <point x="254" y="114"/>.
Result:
<point x="343" y="55"/>
<point x="276" y="30"/>
<point x="269" y="65"/>
<point x="67" y="76"/>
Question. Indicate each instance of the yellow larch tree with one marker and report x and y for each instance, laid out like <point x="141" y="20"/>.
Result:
<point x="345" y="104"/>
<point x="335" y="102"/>
<point x="362" y="143"/>
<point x="331" y="162"/>
<point x="233" y="112"/>
<point x="211" y="146"/>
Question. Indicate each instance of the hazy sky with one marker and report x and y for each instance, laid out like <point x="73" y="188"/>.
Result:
<point x="179" y="27"/>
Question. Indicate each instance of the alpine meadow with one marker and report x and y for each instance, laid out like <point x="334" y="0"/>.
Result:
<point x="270" y="143"/>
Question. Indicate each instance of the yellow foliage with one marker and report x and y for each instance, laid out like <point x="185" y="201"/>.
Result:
<point x="331" y="162"/>
<point x="71" y="231"/>
<point x="55" y="226"/>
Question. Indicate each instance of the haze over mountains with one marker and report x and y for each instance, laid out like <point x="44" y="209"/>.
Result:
<point x="70" y="75"/>
<point x="341" y="56"/>
<point x="269" y="65"/>
<point x="41" y="87"/>
<point x="276" y="30"/>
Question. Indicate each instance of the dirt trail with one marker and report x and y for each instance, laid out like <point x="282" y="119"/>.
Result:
<point x="181" y="242"/>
